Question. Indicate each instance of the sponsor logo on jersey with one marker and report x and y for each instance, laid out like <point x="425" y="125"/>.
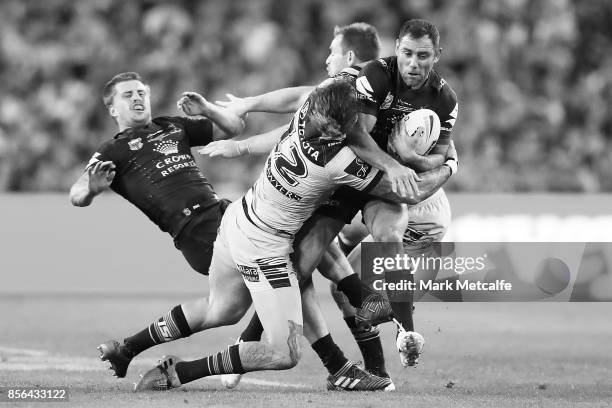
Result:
<point x="364" y="89"/>
<point x="387" y="102"/>
<point x="167" y="147"/>
<point x="135" y="144"/>
<point x="249" y="273"/>
<point x="358" y="168"/>
<point x="383" y="62"/>
<point x="278" y="186"/>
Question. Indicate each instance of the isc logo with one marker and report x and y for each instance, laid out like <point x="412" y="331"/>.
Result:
<point x="164" y="331"/>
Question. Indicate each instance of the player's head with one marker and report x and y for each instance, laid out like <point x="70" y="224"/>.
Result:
<point x="418" y="49"/>
<point x="127" y="99"/>
<point x="352" y="44"/>
<point x="333" y="109"/>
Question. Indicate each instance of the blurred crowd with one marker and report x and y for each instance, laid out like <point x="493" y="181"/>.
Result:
<point x="534" y="79"/>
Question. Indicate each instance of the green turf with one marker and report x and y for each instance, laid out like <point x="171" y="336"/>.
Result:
<point x="495" y="354"/>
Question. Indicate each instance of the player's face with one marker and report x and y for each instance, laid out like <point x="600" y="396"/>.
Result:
<point x="131" y="104"/>
<point x="415" y="59"/>
<point x="337" y="59"/>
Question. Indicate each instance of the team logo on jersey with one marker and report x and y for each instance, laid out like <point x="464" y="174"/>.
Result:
<point x="364" y="89"/>
<point x="135" y="144"/>
<point x="358" y="168"/>
<point x="387" y="102"/>
<point x="249" y="273"/>
<point x="167" y="147"/>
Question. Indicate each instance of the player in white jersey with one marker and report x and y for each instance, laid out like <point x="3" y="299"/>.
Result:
<point x="308" y="163"/>
<point x="386" y="221"/>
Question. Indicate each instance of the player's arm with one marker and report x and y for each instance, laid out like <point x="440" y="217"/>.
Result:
<point x="286" y="100"/>
<point x="430" y="181"/>
<point x="404" y="180"/>
<point x="96" y="178"/>
<point x="226" y="123"/>
<point x="257" y="144"/>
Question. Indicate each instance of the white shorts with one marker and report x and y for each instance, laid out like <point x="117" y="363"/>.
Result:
<point x="263" y="260"/>
<point x="428" y="220"/>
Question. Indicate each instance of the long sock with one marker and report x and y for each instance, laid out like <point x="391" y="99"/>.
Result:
<point x="253" y="330"/>
<point x="330" y="354"/>
<point x="401" y="301"/>
<point x="351" y="287"/>
<point x="223" y="362"/>
<point x="368" y="340"/>
<point x="171" y="327"/>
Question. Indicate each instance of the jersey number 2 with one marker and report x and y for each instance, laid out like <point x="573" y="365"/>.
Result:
<point x="290" y="167"/>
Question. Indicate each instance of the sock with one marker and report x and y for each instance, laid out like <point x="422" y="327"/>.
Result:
<point x="171" y="327"/>
<point x="253" y="330"/>
<point x="330" y="354"/>
<point x="351" y="287"/>
<point x="401" y="301"/>
<point x="368" y="340"/>
<point x="223" y="362"/>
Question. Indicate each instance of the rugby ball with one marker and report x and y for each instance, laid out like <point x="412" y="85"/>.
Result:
<point x="420" y="128"/>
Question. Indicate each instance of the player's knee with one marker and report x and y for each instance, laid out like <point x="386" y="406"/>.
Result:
<point x="387" y="234"/>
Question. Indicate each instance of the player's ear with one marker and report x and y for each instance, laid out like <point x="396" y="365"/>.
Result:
<point x="112" y="111"/>
<point x="350" y="57"/>
<point x="437" y="55"/>
<point x="397" y="43"/>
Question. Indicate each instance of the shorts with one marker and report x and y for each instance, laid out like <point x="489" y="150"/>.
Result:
<point x="196" y="239"/>
<point x="428" y="220"/>
<point x="344" y="204"/>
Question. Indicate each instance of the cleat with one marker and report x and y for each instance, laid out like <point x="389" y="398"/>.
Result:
<point x="352" y="378"/>
<point x="117" y="355"/>
<point x="231" y="380"/>
<point x="375" y="309"/>
<point x="162" y="377"/>
<point x="410" y="346"/>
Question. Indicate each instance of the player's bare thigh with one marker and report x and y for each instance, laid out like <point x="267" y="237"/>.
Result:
<point x="385" y="220"/>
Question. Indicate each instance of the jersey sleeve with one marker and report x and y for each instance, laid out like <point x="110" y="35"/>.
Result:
<point x="199" y="131"/>
<point x="372" y="87"/>
<point x="105" y="152"/>
<point x="448" y="111"/>
<point x="348" y="169"/>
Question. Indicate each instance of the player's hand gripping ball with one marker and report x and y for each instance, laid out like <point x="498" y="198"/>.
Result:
<point x="417" y="132"/>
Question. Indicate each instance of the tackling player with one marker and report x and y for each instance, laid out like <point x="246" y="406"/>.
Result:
<point x="256" y="234"/>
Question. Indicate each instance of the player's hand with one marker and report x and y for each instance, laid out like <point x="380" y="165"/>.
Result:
<point x="235" y="105"/>
<point x="193" y="104"/>
<point x="223" y="148"/>
<point x="405" y="142"/>
<point x="101" y="176"/>
<point x="403" y="180"/>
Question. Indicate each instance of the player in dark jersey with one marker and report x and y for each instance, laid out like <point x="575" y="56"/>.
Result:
<point x="149" y="163"/>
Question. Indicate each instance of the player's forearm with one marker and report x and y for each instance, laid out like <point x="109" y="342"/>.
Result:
<point x="284" y="100"/>
<point x="367" y="150"/>
<point x="262" y="143"/>
<point x="430" y="182"/>
<point x="425" y="163"/>
<point x="230" y="123"/>
<point x="80" y="195"/>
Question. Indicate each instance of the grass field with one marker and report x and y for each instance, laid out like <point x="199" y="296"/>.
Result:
<point x="495" y="354"/>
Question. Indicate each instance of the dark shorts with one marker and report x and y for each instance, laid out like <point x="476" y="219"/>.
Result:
<point x="344" y="204"/>
<point x="197" y="238"/>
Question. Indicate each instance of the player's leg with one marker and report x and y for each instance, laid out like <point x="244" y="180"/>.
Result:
<point x="189" y="317"/>
<point x="352" y="234"/>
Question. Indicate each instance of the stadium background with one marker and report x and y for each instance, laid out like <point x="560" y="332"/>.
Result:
<point x="534" y="137"/>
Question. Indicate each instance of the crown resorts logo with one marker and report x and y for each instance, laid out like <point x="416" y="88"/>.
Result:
<point x="167" y="147"/>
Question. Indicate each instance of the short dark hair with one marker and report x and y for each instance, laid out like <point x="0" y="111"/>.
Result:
<point x="417" y="28"/>
<point x="333" y="108"/>
<point x="361" y="38"/>
<point x="109" y="88"/>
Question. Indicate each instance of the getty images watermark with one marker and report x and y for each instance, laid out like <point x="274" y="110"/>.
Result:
<point x="482" y="272"/>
